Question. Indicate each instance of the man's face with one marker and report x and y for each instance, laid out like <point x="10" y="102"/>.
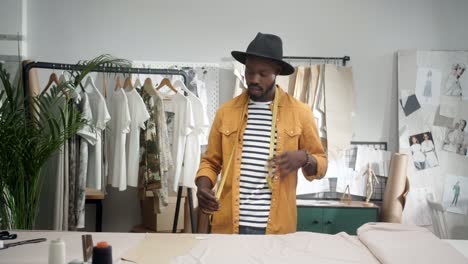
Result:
<point x="260" y="75"/>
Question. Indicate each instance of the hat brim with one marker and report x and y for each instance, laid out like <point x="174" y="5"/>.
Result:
<point x="240" y="56"/>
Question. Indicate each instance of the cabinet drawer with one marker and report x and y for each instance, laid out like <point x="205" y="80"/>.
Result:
<point x="309" y="219"/>
<point x="347" y="220"/>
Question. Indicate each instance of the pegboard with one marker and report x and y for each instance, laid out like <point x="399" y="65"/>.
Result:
<point x="206" y="73"/>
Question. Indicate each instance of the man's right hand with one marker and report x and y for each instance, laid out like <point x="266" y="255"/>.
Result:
<point x="206" y="197"/>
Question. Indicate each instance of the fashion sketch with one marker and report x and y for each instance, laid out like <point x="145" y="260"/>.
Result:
<point x="452" y="84"/>
<point x="428" y="86"/>
<point x="456" y="193"/>
<point x="455" y="198"/>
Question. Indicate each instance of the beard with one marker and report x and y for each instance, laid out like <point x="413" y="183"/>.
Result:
<point x="261" y="96"/>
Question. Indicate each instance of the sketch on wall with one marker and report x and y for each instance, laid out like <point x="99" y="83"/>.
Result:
<point x="456" y="194"/>
<point x="453" y="81"/>
<point x="433" y="115"/>
<point x="428" y="85"/>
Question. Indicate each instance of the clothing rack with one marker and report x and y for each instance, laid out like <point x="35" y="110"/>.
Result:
<point x="77" y="67"/>
<point x="150" y="71"/>
<point x="344" y="59"/>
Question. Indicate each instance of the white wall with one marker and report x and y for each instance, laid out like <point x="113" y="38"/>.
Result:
<point x="370" y="31"/>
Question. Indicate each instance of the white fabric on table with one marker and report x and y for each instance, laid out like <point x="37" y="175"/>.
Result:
<point x="397" y="243"/>
<point x="301" y="247"/>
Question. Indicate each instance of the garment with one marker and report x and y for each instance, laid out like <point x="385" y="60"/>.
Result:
<point x="201" y="92"/>
<point x="180" y="124"/>
<point x="296" y="130"/>
<point x="138" y="116"/>
<point x="339" y="106"/>
<point x="319" y="104"/>
<point x="101" y="116"/>
<point x="418" y="156"/>
<point x="156" y="157"/>
<point x="428" y="89"/>
<point x="87" y="136"/>
<point x="119" y="127"/>
<point x="197" y="137"/>
<point x="241" y="84"/>
<point x="302" y="85"/>
<point x="427" y="147"/>
<point x="254" y="194"/>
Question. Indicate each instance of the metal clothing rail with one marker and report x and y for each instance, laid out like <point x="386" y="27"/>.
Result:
<point x="344" y="59"/>
<point x="150" y="71"/>
<point x="77" y="67"/>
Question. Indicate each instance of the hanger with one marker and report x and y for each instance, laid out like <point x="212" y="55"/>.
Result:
<point x="104" y="85"/>
<point x="181" y="85"/>
<point x="62" y="77"/>
<point x="88" y="82"/>
<point x="118" y="84"/>
<point x="52" y="79"/>
<point x="137" y="82"/>
<point x="128" y="83"/>
<point x="166" y="82"/>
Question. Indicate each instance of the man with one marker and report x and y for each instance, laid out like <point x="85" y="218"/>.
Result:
<point x="239" y="145"/>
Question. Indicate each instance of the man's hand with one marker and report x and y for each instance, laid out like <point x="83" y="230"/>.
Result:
<point x="206" y="197"/>
<point x="290" y="161"/>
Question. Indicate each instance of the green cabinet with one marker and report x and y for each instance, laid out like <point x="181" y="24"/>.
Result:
<point x="334" y="219"/>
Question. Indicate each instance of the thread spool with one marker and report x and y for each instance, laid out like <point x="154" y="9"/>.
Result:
<point x="57" y="253"/>
<point x="102" y="253"/>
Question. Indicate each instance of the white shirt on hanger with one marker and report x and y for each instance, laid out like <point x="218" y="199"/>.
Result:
<point x="100" y="118"/>
<point x="197" y="137"/>
<point x="180" y="124"/>
<point x="138" y="116"/>
<point x="119" y="127"/>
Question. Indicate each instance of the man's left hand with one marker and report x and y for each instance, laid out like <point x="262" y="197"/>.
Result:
<point x="290" y="161"/>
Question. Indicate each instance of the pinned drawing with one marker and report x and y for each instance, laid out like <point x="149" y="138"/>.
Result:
<point x="452" y="85"/>
<point x="428" y="85"/>
<point x="456" y="194"/>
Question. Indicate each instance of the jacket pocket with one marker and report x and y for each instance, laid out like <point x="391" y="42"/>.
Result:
<point x="229" y="138"/>
<point x="291" y="138"/>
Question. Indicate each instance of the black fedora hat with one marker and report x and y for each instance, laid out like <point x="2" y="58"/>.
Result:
<point x="265" y="46"/>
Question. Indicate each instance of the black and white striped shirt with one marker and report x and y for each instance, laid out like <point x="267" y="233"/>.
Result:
<point x="255" y="196"/>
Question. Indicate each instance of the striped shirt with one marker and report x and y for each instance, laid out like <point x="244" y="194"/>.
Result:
<point x="255" y="196"/>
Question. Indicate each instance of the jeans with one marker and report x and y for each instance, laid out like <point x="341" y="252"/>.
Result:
<point x="248" y="230"/>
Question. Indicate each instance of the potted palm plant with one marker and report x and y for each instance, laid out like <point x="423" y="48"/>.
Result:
<point x="29" y="136"/>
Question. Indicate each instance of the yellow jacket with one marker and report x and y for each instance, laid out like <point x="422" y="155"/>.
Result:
<point x="296" y="130"/>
